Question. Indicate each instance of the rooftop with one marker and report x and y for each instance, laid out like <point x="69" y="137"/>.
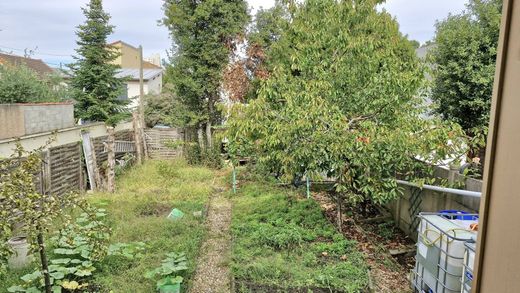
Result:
<point x="133" y="73"/>
<point x="35" y="64"/>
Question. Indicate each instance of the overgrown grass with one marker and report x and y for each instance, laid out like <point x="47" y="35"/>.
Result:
<point x="137" y="212"/>
<point x="283" y="240"/>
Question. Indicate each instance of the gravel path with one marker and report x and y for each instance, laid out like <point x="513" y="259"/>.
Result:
<point x="212" y="274"/>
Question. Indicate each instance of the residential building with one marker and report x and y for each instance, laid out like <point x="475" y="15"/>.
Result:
<point x="37" y="65"/>
<point x="152" y="82"/>
<point x="129" y="62"/>
<point x="129" y="56"/>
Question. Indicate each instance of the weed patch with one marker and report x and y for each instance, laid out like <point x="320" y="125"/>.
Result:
<point x="283" y="242"/>
<point x="136" y="213"/>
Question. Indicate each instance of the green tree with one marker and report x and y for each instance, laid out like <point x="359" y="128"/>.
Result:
<point x="204" y="35"/>
<point x="19" y="84"/>
<point x="341" y="100"/>
<point x="24" y="206"/>
<point x="464" y="58"/>
<point x="95" y="86"/>
<point x="165" y="108"/>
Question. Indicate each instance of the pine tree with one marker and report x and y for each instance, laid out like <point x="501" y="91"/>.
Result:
<point x="94" y="83"/>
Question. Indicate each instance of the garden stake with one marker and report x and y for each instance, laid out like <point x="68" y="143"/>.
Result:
<point x="234" y="181"/>
<point x="308" y="187"/>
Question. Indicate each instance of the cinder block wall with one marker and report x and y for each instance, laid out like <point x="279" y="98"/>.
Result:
<point x="24" y="119"/>
<point x="48" y="117"/>
<point x="11" y="121"/>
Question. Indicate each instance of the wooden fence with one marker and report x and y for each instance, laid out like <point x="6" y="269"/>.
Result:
<point x="63" y="169"/>
<point x="163" y="143"/>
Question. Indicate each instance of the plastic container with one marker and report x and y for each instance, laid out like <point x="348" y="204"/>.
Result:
<point x="458" y="215"/>
<point x="440" y="251"/>
<point x="172" y="288"/>
<point x="175" y="214"/>
<point x="21" y="257"/>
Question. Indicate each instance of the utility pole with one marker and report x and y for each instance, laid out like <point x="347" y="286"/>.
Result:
<point x="141" y="87"/>
<point x="141" y="102"/>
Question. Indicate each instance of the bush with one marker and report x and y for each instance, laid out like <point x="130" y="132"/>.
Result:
<point x="195" y="155"/>
<point x="19" y="84"/>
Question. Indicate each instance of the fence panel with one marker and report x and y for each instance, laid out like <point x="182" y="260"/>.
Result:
<point x="161" y="142"/>
<point x="65" y="168"/>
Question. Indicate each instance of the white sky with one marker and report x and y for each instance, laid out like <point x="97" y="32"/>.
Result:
<point x="49" y="25"/>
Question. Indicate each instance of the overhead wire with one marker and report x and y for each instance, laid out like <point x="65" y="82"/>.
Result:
<point x="35" y="51"/>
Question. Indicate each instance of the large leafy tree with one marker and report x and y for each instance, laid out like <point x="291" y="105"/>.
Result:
<point x="464" y="58"/>
<point x="95" y="86"/>
<point x="341" y="100"/>
<point x="20" y="84"/>
<point x="204" y="34"/>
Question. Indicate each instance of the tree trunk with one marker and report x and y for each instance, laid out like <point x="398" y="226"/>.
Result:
<point x="45" y="266"/>
<point x="137" y="138"/>
<point x="338" y="212"/>
<point x="200" y="138"/>
<point x="111" y="180"/>
<point x="209" y="137"/>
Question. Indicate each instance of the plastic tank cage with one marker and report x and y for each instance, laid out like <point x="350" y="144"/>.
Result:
<point x="467" y="273"/>
<point x="441" y="249"/>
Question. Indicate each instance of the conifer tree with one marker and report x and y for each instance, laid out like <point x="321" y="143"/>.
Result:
<point x="95" y="86"/>
<point x="204" y="34"/>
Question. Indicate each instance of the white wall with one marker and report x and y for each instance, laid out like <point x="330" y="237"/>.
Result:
<point x="151" y="86"/>
<point x="61" y="137"/>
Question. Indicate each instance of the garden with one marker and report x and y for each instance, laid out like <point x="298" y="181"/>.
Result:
<point x="133" y="242"/>
<point x="282" y="187"/>
<point x="138" y="246"/>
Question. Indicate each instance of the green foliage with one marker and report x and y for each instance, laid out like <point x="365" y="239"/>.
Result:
<point x="72" y="259"/>
<point x="268" y="25"/>
<point x="166" y="109"/>
<point x="24" y="206"/>
<point x="87" y="237"/>
<point x="19" y="84"/>
<point x="267" y="28"/>
<point x="286" y="242"/>
<point x="342" y="102"/>
<point x="79" y="246"/>
<point x="171" y="266"/>
<point x="188" y="189"/>
<point x="204" y="34"/>
<point x="464" y="58"/>
<point x="94" y="84"/>
<point x="195" y="155"/>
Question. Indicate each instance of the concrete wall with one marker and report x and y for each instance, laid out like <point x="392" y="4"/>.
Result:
<point x="62" y="137"/>
<point x="24" y="119"/>
<point x="11" y="121"/>
<point x="41" y="118"/>
<point x="431" y="201"/>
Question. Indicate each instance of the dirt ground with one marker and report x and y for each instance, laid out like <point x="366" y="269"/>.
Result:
<point x="212" y="274"/>
<point x="388" y="273"/>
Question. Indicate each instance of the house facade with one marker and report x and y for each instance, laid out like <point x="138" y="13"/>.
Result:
<point x="129" y="62"/>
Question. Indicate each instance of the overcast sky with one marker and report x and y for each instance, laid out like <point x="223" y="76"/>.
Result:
<point x="49" y="25"/>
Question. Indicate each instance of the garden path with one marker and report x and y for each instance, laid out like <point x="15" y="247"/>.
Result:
<point x="212" y="274"/>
